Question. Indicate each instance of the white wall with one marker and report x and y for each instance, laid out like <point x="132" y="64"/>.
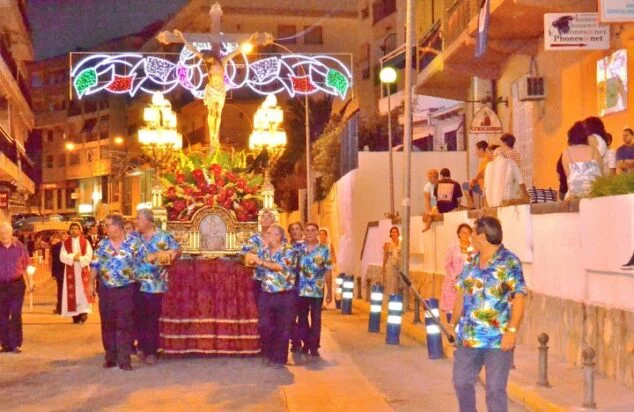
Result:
<point x="574" y="256"/>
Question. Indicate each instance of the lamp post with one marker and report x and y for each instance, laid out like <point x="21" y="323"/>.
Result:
<point x="388" y="77"/>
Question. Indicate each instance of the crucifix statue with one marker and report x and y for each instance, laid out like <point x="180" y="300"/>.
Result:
<point x="215" y="64"/>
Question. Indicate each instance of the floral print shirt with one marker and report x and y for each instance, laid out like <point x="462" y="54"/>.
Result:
<point x="254" y="245"/>
<point x="312" y="270"/>
<point x="153" y="277"/>
<point x="487" y="295"/>
<point x="284" y="281"/>
<point x="116" y="268"/>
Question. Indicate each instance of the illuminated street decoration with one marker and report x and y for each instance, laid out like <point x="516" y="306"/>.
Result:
<point x="295" y="74"/>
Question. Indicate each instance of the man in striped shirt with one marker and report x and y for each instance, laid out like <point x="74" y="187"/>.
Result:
<point x="508" y="141"/>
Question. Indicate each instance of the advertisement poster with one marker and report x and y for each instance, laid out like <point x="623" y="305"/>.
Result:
<point x="616" y="11"/>
<point x="575" y="31"/>
<point x="612" y="83"/>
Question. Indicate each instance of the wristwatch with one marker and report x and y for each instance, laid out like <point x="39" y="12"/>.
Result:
<point x="511" y="329"/>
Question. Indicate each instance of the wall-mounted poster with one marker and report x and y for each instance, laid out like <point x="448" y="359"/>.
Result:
<point x="616" y="11"/>
<point x="612" y="83"/>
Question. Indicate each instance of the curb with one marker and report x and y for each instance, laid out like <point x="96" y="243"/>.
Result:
<point x="522" y="395"/>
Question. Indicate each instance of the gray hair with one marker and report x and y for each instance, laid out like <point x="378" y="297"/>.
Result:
<point x="147" y="214"/>
<point x="116" y="219"/>
<point x="280" y="229"/>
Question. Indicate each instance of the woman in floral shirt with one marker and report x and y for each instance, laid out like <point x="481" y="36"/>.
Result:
<point x="456" y="257"/>
<point x="314" y="275"/>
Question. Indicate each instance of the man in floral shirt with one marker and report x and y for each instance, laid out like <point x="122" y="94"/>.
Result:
<point x="315" y="267"/>
<point x="278" y="262"/>
<point x="254" y="245"/>
<point x="491" y="293"/>
<point x="114" y="264"/>
<point x="158" y="251"/>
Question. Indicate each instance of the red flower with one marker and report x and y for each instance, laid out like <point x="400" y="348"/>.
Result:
<point x="230" y="192"/>
<point x="215" y="168"/>
<point x="227" y="204"/>
<point x="188" y="191"/>
<point x="180" y="178"/>
<point x="171" y="191"/>
<point x="241" y="184"/>
<point x="179" y="205"/>
<point x="209" y="201"/>
<point x="231" y="177"/>
<point x="221" y="197"/>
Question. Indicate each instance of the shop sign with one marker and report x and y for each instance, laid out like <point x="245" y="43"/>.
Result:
<point x="575" y="31"/>
<point x="616" y="11"/>
<point x="486" y="121"/>
<point x="4" y="200"/>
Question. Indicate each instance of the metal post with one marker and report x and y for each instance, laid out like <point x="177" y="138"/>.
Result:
<point x="588" y="355"/>
<point x="389" y="145"/>
<point x="309" y="183"/>
<point x="407" y="137"/>
<point x="416" y="311"/>
<point x="542" y="371"/>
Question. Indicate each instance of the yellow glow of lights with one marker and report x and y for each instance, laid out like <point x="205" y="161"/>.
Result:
<point x="70" y="146"/>
<point x="388" y="75"/>
<point x="118" y="140"/>
<point x="246" y="47"/>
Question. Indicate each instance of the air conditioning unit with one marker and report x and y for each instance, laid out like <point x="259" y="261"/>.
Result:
<point x="531" y="88"/>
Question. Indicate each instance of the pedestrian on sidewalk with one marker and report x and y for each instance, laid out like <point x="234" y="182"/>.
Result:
<point x="113" y="267"/>
<point x="76" y="255"/>
<point x="315" y="264"/>
<point x="158" y="250"/>
<point x="487" y="329"/>
<point x="58" y="267"/>
<point x="455" y="259"/>
<point x="13" y="284"/>
<point x="296" y="234"/>
<point x="277" y="261"/>
<point x="392" y="263"/>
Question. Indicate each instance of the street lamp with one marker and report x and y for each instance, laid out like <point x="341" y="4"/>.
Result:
<point x="118" y="140"/>
<point x="268" y="140"/>
<point x="159" y="139"/>
<point x="70" y="146"/>
<point x="388" y="77"/>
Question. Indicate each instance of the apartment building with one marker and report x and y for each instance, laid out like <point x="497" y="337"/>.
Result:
<point x="16" y="118"/>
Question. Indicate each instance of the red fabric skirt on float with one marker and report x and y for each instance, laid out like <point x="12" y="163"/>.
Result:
<point x="209" y="309"/>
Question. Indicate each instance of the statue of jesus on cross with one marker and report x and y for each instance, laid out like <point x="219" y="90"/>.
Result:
<point x="215" y="63"/>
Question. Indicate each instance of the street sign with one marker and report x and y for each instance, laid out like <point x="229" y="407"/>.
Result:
<point x="4" y="200"/>
<point x="616" y="11"/>
<point x="575" y="31"/>
<point x="486" y="121"/>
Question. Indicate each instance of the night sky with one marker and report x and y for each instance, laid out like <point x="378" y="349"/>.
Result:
<point x="60" y="26"/>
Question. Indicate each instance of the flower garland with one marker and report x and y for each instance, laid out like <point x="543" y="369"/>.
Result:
<point x="196" y="180"/>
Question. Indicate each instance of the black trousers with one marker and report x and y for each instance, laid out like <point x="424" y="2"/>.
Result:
<point x="277" y="311"/>
<point x="309" y="333"/>
<point x="147" y="312"/>
<point x="116" y="307"/>
<point x="59" y="279"/>
<point x="11" y="300"/>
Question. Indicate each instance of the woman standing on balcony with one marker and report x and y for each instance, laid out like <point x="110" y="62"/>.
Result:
<point x="455" y="260"/>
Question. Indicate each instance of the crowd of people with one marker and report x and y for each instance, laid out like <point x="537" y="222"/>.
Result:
<point x="292" y="278"/>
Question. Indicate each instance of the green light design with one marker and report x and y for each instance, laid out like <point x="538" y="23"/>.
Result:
<point x="337" y="81"/>
<point x="85" y="80"/>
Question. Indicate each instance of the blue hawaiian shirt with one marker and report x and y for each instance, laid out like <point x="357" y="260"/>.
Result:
<point x="254" y="245"/>
<point x="313" y="267"/>
<point x="275" y="282"/>
<point x="116" y="268"/>
<point x="487" y="295"/>
<point x="153" y="278"/>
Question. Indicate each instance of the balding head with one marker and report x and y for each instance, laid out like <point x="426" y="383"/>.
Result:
<point x="6" y="233"/>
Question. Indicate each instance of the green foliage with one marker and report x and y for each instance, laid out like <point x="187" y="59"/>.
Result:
<point x="613" y="185"/>
<point x="327" y="156"/>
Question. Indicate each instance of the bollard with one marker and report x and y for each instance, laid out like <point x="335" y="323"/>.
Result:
<point x="588" y="355"/>
<point x="339" y="290"/>
<point x="347" y="295"/>
<point x="434" y="337"/>
<point x="359" y="288"/>
<point x="376" y="303"/>
<point x="368" y="290"/>
<point x="394" y="317"/>
<point x="542" y="371"/>
<point x="416" y="311"/>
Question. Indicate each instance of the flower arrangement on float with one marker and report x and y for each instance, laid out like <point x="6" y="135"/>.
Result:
<point x="195" y="180"/>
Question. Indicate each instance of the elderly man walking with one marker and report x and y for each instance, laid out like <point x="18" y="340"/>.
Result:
<point x="487" y="329"/>
<point x="114" y="264"/>
<point x="158" y="251"/>
<point x="76" y="254"/>
<point x="13" y="284"/>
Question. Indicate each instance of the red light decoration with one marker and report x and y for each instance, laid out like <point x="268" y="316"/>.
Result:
<point x="121" y="84"/>
<point x="302" y="84"/>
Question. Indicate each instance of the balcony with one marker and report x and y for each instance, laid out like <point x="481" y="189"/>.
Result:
<point x="515" y="27"/>
<point x="10" y="75"/>
<point x="10" y="170"/>
<point x="50" y="118"/>
<point x="382" y="9"/>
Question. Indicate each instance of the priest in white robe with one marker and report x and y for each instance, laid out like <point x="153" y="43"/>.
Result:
<point x="76" y="254"/>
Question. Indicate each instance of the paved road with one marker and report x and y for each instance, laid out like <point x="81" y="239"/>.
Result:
<point x="60" y="369"/>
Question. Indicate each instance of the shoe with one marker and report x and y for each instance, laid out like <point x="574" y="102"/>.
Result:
<point x="126" y="368"/>
<point x="277" y="365"/>
<point x="151" y="360"/>
<point x="109" y="365"/>
<point x="305" y="350"/>
<point x="83" y="318"/>
<point x="315" y="353"/>
<point x="296" y="348"/>
<point x="16" y="350"/>
<point x="628" y="266"/>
